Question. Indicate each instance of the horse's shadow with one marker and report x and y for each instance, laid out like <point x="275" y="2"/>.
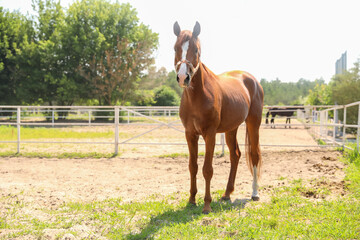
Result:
<point x="186" y="214"/>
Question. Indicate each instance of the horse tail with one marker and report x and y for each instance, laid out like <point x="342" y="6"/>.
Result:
<point x="253" y="122"/>
<point x="252" y="148"/>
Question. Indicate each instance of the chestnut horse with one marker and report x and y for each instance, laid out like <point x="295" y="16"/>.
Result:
<point x="213" y="104"/>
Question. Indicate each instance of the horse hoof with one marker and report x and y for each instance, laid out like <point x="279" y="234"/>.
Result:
<point x="255" y="198"/>
<point x="224" y="198"/>
<point x="206" y="212"/>
<point x="192" y="204"/>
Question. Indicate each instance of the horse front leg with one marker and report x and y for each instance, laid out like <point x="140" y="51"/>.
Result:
<point x="192" y="141"/>
<point x="208" y="169"/>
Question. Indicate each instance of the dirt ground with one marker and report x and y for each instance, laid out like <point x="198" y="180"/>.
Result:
<point x="51" y="182"/>
<point x="139" y="172"/>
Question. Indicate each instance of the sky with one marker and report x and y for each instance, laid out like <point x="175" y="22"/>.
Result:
<point x="284" y="39"/>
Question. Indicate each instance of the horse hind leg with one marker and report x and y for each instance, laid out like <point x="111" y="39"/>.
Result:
<point x="235" y="155"/>
<point x="253" y="153"/>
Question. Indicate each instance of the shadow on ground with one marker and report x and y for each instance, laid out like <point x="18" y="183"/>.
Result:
<point x="182" y="216"/>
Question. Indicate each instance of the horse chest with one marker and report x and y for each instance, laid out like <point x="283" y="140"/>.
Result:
<point x="200" y="122"/>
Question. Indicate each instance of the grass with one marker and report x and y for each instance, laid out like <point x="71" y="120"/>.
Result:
<point x="321" y="142"/>
<point x="201" y="154"/>
<point x="9" y="133"/>
<point x="352" y="159"/>
<point x="57" y="155"/>
<point x="289" y="214"/>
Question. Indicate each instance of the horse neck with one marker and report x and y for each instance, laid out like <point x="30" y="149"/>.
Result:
<point x="201" y="82"/>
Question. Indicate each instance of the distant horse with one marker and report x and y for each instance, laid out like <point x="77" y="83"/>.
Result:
<point x="284" y="112"/>
<point x="213" y="104"/>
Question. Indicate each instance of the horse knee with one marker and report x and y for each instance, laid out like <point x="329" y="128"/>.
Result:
<point x="207" y="172"/>
<point x="193" y="168"/>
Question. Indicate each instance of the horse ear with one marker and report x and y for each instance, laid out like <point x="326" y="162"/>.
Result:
<point x="196" y="30"/>
<point x="177" y="29"/>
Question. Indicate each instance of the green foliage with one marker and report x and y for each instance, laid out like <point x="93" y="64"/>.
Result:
<point x="158" y="79"/>
<point x="165" y="96"/>
<point x="108" y="46"/>
<point x="143" y="98"/>
<point x="62" y="56"/>
<point x="320" y="95"/>
<point x="16" y="32"/>
<point x="172" y="83"/>
<point x="287" y="93"/>
<point x="346" y="89"/>
<point x="346" y="86"/>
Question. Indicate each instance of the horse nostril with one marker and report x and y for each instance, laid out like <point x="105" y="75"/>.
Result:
<point x="187" y="79"/>
<point x="177" y="78"/>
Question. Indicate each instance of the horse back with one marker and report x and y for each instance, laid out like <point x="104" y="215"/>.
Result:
<point x="253" y="87"/>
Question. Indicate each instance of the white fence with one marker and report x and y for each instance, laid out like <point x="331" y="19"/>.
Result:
<point x="318" y="119"/>
<point x="330" y="129"/>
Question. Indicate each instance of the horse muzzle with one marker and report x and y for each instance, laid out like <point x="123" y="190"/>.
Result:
<point x="183" y="80"/>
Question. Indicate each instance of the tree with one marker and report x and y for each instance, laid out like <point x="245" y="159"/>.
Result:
<point x="286" y="93"/>
<point x="320" y="95"/>
<point x="165" y="96"/>
<point x="100" y="36"/>
<point x="154" y="78"/>
<point x="346" y="89"/>
<point x="346" y="86"/>
<point x="15" y="33"/>
<point x="172" y="83"/>
<point x="115" y="74"/>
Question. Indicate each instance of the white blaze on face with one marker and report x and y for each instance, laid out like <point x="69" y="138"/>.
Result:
<point x="185" y="47"/>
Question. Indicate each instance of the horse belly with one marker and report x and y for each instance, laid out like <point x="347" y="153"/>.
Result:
<point x="235" y="104"/>
<point x="232" y="117"/>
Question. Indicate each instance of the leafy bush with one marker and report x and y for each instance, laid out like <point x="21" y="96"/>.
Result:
<point x="165" y="96"/>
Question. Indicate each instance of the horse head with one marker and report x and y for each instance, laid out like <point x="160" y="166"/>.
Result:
<point x="187" y="54"/>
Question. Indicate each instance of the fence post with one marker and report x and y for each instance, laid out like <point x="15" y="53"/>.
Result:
<point x="222" y="144"/>
<point x="344" y="132"/>
<point x="18" y="121"/>
<point x="336" y="120"/>
<point x="116" y="121"/>
<point x="89" y="117"/>
<point x="128" y="119"/>
<point x="52" y="117"/>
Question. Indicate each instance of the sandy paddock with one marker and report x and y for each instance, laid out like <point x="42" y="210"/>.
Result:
<point x="139" y="171"/>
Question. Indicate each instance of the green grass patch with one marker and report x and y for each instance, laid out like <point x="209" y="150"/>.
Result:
<point x="9" y="133"/>
<point x="57" y="155"/>
<point x="288" y="215"/>
<point x="321" y="142"/>
<point x="186" y="155"/>
<point x="352" y="159"/>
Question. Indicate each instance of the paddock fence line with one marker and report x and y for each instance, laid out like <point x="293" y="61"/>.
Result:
<point x="321" y="121"/>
